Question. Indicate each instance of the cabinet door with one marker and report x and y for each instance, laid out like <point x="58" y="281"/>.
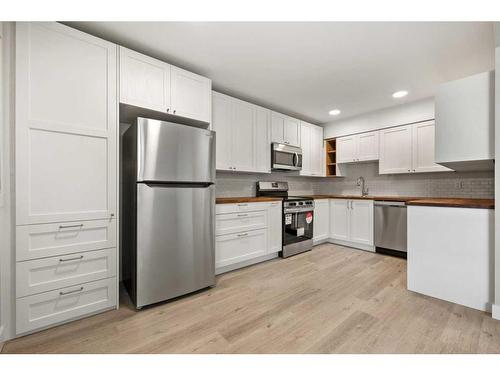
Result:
<point x="292" y="132"/>
<point x="346" y="149"/>
<point x="221" y="124"/>
<point x="361" y="222"/>
<point x="339" y="219"/>
<point x="368" y="146"/>
<point x="242" y="135"/>
<point x="423" y="149"/>
<point x="262" y="140"/>
<point x="395" y="150"/>
<point x="305" y="144"/>
<point x="321" y="219"/>
<point x="238" y="247"/>
<point x="66" y="124"/>
<point x="277" y="127"/>
<point x="190" y="95"/>
<point x="317" y="151"/>
<point x="274" y="227"/>
<point x="144" y="81"/>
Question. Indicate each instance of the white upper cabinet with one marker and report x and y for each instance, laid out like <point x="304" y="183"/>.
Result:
<point x="66" y="125"/>
<point x="243" y="136"/>
<point x="144" y="81"/>
<point x="358" y="147"/>
<point x="242" y="131"/>
<point x="423" y="149"/>
<point x="153" y="84"/>
<point x="221" y="123"/>
<point x="395" y="150"/>
<point x="262" y="119"/>
<point x="368" y="146"/>
<point x="311" y="142"/>
<point x="346" y="149"/>
<point x="408" y="149"/>
<point x="191" y="95"/>
<point x="285" y="129"/>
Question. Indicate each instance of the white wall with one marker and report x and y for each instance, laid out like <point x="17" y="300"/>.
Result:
<point x="417" y="111"/>
<point x="6" y="173"/>
<point x="496" y="307"/>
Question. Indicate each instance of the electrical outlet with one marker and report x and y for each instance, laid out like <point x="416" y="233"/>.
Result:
<point x="459" y="184"/>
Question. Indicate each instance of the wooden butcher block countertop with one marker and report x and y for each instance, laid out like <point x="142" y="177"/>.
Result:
<point x="420" y="201"/>
<point x="246" y="200"/>
<point x="453" y="202"/>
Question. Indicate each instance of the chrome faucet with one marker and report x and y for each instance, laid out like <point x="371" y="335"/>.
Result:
<point x="361" y="182"/>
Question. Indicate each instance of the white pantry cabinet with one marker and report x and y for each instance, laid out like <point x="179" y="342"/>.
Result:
<point x="285" y="129"/>
<point x="408" y="149"/>
<point x="321" y="220"/>
<point x="242" y="131"/>
<point x="66" y="174"/>
<point x="153" y="84"/>
<point x="247" y="233"/>
<point x="351" y="223"/>
<point x="311" y="142"/>
<point x="66" y="125"/>
<point x="358" y="147"/>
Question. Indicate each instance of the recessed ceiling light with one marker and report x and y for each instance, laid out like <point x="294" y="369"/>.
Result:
<point x="400" y="94"/>
<point x="334" y="112"/>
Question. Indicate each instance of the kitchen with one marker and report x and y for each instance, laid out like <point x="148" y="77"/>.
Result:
<point x="176" y="196"/>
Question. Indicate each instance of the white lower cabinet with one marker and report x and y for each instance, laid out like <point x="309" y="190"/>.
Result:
<point x="321" y="220"/>
<point x="246" y="233"/>
<point x="351" y="223"/>
<point x="49" y="308"/>
<point x="42" y="275"/>
<point x="239" y="247"/>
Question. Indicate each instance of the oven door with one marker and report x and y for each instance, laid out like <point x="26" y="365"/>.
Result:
<point x="284" y="157"/>
<point x="297" y="232"/>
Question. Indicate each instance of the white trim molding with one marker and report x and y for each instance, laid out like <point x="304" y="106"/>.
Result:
<point x="495" y="312"/>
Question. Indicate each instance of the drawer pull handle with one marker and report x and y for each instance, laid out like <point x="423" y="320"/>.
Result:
<point x="242" y="215"/>
<point x="71" y="291"/>
<point x="242" y="234"/>
<point x="67" y="260"/>
<point x="243" y="204"/>
<point x="70" y="226"/>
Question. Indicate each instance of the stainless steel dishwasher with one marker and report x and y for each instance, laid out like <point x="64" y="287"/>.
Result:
<point x="390" y="228"/>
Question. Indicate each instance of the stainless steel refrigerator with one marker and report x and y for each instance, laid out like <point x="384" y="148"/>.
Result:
<point x="168" y="210"/>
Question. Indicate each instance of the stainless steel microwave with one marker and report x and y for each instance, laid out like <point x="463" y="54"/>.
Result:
<point x="286" y="157"/>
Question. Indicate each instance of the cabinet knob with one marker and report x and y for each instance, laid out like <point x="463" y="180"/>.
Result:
<point x="168" y="110"/>
<point x="409" y="170"/>
<point x="174" y="111"/>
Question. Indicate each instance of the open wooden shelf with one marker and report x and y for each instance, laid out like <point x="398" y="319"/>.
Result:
<point x="331" y="157"/>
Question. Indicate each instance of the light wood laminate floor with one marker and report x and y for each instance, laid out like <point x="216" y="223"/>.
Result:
<point x="332" y="299"/>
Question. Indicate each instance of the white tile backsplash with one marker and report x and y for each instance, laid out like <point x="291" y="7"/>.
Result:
<point x="441" y="184"/>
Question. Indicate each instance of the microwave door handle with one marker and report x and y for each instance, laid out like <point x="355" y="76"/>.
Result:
<point x="295" y="159"/>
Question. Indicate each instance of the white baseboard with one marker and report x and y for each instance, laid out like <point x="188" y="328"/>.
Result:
<point x="352" y="244"/>
<point x="1" y="338"/>
<point x="495" y="312"/>
<point x="245" y="263"/>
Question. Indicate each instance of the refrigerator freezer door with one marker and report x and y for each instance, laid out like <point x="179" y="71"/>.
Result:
<point x="175" y="241"/>
<point x="170" y="152"/>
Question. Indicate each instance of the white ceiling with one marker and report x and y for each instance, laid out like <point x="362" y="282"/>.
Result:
<point x="306" y="69"/>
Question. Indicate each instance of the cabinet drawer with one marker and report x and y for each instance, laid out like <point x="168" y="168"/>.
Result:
<point x="45" y="309"/>
<point x="42" y="275"/>
<point x="235" y="248"/>
<point x="240" y="222"/>
<point x="241" y="207"/>
<point x="46" y="240"/>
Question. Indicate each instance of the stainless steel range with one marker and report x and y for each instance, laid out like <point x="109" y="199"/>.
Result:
<point x="297" y="218"/>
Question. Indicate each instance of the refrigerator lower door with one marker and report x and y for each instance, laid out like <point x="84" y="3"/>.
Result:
<point x="175" y="240"/>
